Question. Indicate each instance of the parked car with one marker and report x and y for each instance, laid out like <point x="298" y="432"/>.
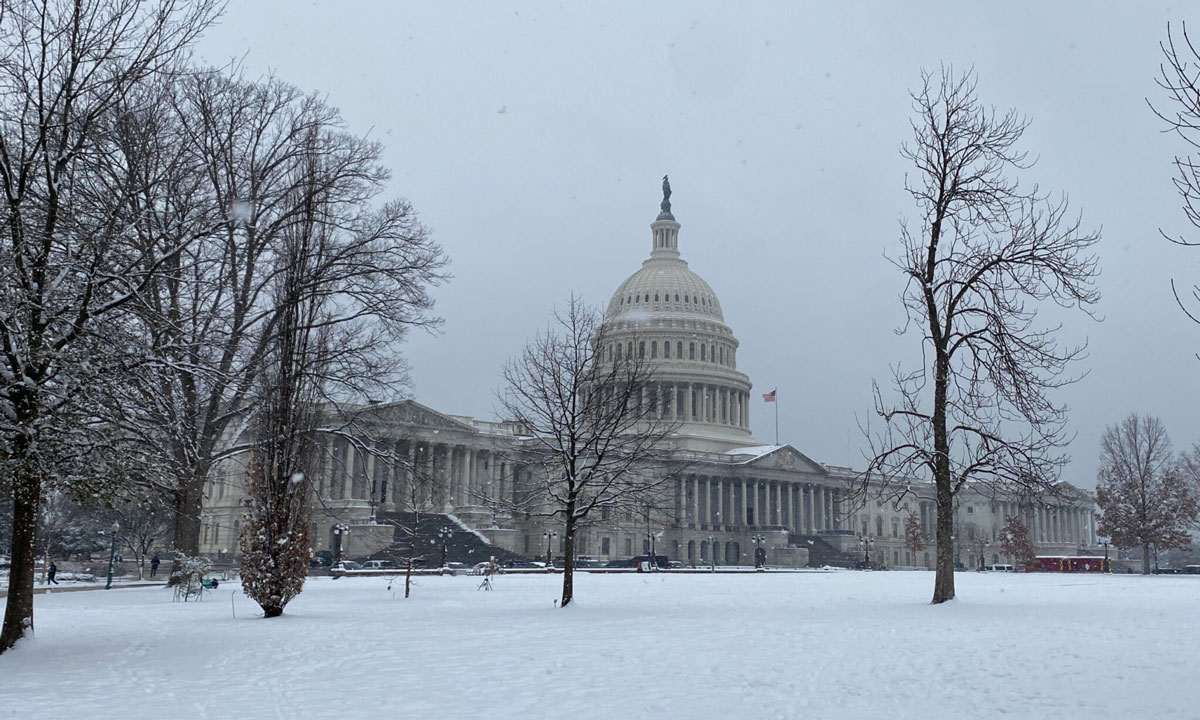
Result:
<point x="378" y="565"/>
<point x="1000" y="568"/>
<point x="347" y="565"/>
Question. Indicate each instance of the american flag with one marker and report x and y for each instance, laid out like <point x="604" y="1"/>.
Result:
<point x="769" y="397"/>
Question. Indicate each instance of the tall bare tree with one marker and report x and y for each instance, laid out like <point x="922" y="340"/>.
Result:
<point x="984" y="255"/>
<point x="67" y="265"/>
<point x="1179" y="79"/>
<point x="598" y="437"/>
<point x="1141" y="488"/>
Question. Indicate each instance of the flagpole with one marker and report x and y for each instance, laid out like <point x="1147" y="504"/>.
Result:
<point x="776" y="416"/>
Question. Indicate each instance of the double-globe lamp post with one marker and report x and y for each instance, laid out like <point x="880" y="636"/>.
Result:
<point x="112" y="554"/>
<point x="549" y="535"/>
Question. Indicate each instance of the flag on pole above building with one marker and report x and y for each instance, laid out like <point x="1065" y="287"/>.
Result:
<point x="769" y="397"/>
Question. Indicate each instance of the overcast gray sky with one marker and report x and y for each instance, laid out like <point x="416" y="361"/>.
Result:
<point x="532" y="139"/>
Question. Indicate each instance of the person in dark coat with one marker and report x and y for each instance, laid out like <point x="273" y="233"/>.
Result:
<point x="51" y="573"/>
<point x="154" y="565"/>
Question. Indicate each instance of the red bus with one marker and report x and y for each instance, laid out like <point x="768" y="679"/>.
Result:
<point x="1068" y="563"/>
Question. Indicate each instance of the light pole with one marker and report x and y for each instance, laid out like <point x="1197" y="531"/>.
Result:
<point x="652" y="536"/>
<point x="340" y="531"/>
<point x="445" y="534"/>
<point x="760" y="555"/>
<point x="112" y="554"/>
<point x="1106" y="568"/>
<point x="983" y="546"/>
<point x="549" y="535"/>
<point x="712" y="553"/>
<point x="867" y="541"/>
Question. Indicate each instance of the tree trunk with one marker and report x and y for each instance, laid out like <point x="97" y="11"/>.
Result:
<point x="569" y="556"/>
<point x="18" y="613"/>
<point x="1145" y="558"/>
<point x="187" y="515"/>
<point x="943" y="581"/>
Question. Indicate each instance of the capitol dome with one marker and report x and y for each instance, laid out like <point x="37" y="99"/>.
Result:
<point x="667" y="312"/>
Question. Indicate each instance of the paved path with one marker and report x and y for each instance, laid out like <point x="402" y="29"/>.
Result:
<point x="42" y="589"/>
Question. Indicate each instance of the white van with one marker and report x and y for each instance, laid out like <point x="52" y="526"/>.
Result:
<point x="378" y="565"/>
<point x="1000" y="568"/>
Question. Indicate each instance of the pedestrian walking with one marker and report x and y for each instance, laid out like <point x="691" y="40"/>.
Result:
<point x="154" y="565"/>
<point x="51" y="573"/>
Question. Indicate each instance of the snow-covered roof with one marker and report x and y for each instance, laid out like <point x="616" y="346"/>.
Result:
<point x="756" y="451"/>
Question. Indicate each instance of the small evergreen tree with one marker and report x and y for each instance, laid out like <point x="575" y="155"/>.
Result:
<point x="915" y="539"/>
<point x="1015" y="542"/>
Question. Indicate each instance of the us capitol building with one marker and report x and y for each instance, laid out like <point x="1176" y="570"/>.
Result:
<point x="736" y="494"/>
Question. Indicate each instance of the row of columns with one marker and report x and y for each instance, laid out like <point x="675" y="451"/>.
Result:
<point x="714" y="502"/>
<point x="455" y="475"/>
<point x="700" y="402"/>
<point x="1061" y="524"/>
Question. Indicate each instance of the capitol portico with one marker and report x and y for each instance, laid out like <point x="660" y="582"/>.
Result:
<point x="734" y="494"/>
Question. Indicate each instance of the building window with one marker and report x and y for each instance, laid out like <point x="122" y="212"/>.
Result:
<point x="879" y="526"/>
<point x="676" y="297"/>
<point x="628" y="546"/>
<point x="655" y="297"/>
<point x="653" y="348"/>
<point x="642" y="349"/>
<point x="691" y="351"/>
<point x="604" y="547"/>
<point x="970" y="509"/>
<point x="667" y="349"/>
<point x="525" y="544"/>
<point x="703" y="352"/>
<point x="679" y="350"/>
<point x="686" y="298"/>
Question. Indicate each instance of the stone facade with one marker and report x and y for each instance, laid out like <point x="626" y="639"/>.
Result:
<point x="734" y="495"/>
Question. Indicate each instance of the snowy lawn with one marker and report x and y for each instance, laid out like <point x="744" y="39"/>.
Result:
<point x="805" y="645"/>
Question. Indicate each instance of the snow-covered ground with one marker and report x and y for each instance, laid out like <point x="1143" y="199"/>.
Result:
<point x="800" y="645"/>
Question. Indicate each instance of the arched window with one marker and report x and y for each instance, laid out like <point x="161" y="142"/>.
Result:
<point x="653" y="349"/>
<point x="879" y="526"/>
<point x="655" y="297"/>
<point x="667" y="349"/>
<point x="686" y="298"/>
<point x="642" y="349"/>
<point x="679" y="350"/>
<point x="691" y="351"/>
<point x="722" y="354"/>
<point x="676" y="297"/>
<point x="703" y="352"/>
<point x="629" y="350"/>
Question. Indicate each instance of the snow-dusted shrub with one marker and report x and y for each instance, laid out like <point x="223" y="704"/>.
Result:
<point x="187" y="576"/>
<point x="274" y="540"/>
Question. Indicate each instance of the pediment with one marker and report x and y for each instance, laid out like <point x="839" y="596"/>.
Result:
<point x="783" y="457"/>
<point x="414" y="414"/>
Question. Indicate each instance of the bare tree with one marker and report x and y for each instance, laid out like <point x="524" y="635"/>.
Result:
<point x="915" y="537"/>
<point x="145" y="524"/>
<point x="1141" y="488"/>
<point x="985" y="254"/>
<point x="598" y="437"/>
<point x="1179" y="79"/>
<point x="67" y="264"/>
<point x="1015" y="542"/>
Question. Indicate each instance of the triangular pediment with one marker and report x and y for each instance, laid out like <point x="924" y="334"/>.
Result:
<point x="414" y="414"/>
<point x="779" y="457"/>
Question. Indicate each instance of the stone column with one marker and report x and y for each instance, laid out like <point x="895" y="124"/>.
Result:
<point x="471" y="496"/>
<point x="326" y="488"/>
<point x="370" y="474"/>
<point x="348" y="476"/>
<point x="695" y="517"/>
<point x="722" y="509"/>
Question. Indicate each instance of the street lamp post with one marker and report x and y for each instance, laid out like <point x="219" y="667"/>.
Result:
<point x="712" y="553"/>
<point x="549" y="534"/>
<point x="340" y="531"/>
<point x="1106" y="567"/>
<point x="867" y="541"/>
<point x="983" y="546"/>
<point x="759" y="553"/>
<point x="445" y="534"/>
<point x="112" y="554"/>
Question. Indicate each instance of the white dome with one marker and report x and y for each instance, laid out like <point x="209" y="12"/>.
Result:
<point x="672" y="316"/>
<point x="665" y="284"/>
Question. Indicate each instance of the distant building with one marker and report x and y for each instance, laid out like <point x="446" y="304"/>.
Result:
<point x="737" y="492"/>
